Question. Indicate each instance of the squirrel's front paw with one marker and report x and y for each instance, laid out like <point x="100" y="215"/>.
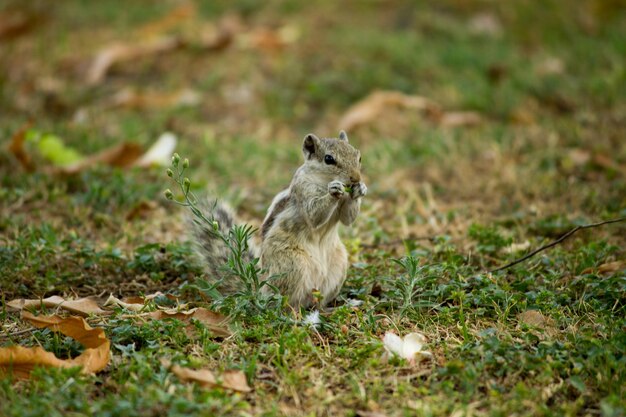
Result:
<point x="358" y="190"/>
<point x="335" y="188"/>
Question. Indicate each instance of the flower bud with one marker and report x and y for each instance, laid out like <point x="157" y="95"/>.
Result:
<point x="170" y="173"/>
<point x="186" y="163"/>
<point x="186" y="184"/>
<point x="175" y="159"/>
<point x="168" y="194"/>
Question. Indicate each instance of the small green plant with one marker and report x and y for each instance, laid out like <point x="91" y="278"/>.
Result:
<point x="250" y="294"/>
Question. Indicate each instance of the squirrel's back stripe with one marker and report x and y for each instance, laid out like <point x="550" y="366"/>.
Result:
<point x="277" y="207"/>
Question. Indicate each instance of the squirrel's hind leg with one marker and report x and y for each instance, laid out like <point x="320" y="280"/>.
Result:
<point x="294" y="274"/>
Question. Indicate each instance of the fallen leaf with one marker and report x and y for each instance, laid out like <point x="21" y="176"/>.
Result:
<point x="53" y="149"/>
<point x="517" y="247"/>
<point x="607" y="268"/>
<point x="141" y="210"/>
<point x="131" y="99"/>
<point x="215" y="322"/>
<point x="114" y="301"/>
<point x="535" y="318"/>
<point x="123" y="155"/>
<point x="82" y="306"/>
<point x="374" y="105"/>
<point x="410" y="347"/>
<point x="123" y="52"/>
<point x="145" y="298"/>
<point x="269" y="40"/>
<point x="16" y="22"/>
<point x="458" y="119"/>
<point x="20" y="361"/>
<point x="233" y="380"/>
<point x="608" y="163"/>
<point x="17" y="148"/>
<point x="160" y="153"/>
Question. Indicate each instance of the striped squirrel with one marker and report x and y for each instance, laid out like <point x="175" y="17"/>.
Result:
<point x="300" y="243"/>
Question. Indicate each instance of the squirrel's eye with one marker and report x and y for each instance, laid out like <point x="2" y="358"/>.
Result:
<point x="330" y="160"/>
<point x="359" y="159"/>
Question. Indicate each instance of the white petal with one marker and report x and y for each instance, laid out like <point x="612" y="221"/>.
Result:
<point x="393" y="343"/>
<point x="160" y="153"/>
<point x="413" y="343"/>
<point x="312" y="319"/>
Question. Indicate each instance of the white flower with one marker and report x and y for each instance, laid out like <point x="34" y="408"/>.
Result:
<point x="409" y="348"/>
<point x="312" y="319"/>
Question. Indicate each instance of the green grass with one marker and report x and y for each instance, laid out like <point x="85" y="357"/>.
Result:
<point x="444" y="206"/>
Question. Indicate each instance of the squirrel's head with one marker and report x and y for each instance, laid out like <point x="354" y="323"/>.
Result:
<point x="333" y="157"/>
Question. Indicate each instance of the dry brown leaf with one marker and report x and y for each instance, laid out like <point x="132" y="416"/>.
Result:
<point x="535" y="318"/>
<point x="607" y="268"/>
<point x="608" y="163"/>
<point x="17" y="148"/>
<point x="233" y="380"/>
<point x="131" y="99"/>
<point x="459" y="118"/>
<point x="114" y="301"/>
<point x="217" y="323"/>
<point x="374" y="105"/>
<point x="123" y="52"/>
<point x="141" y="210"/>
<point x="270" y="40"/>
<point x="123" y="155"/>
<point x="15" y="23"/>
<point x="20" y="360"/>
<point x="82" y="306"/>
<point x="144" y="298"/>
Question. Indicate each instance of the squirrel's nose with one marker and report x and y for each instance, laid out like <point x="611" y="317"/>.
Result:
<point x="355" y="177"/>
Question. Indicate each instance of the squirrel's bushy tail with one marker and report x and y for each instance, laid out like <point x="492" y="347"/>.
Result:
<point x="211" y="248"/>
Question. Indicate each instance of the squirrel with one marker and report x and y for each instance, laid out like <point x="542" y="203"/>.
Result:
<point x="300" y="245"/>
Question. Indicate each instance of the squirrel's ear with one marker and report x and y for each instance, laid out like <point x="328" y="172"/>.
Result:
<point x="310" y="145"/>
<point x="343" y="135"/>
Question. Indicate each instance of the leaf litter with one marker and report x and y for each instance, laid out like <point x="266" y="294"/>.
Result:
<point x="19" y="361"/>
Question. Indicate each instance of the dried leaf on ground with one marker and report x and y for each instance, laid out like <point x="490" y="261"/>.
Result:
<point x="16" y="147"/>
<point x="82" y="306"/>
<point x="114" y="301"/>
<point x="458" y="119"/>
<point x="17" y="22"/>
<point x="374" y="105"/>
<point x="124" y="52"/>
<point x="217" y="323"/>
<point x="132" y="99"/>
<point x="144" y="298"/>
<point x="517" y="247"/>
<point x="535" y="318"/>
<point x="410" y="347"/>
<point x="607" y="268"/>
<point x="233" y="380"/>
<point x="123" y="155"/>
<point x="141" y="210"/>
<point x="20" y="361"/>
<point x="270" y="40"/>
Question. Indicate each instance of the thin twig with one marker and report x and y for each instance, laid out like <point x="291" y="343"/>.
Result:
<point x="556" y="242"/>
